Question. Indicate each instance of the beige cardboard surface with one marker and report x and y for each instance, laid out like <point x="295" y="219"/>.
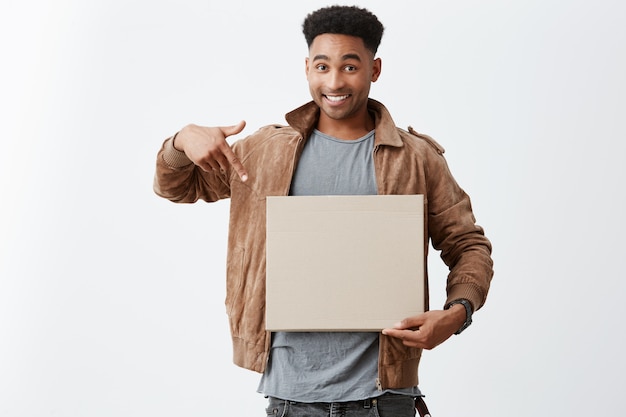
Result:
<point x="342" y="263"/>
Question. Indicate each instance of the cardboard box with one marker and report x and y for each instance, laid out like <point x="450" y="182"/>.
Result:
<point x="344" y="263"/>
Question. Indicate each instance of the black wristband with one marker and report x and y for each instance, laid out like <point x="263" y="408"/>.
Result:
<point x="468" y="312"/>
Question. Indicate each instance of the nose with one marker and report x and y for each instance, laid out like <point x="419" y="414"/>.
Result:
<point x="335" y="80"/>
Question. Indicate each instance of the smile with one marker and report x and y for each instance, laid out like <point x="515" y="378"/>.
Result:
<point x="337" y="99"/>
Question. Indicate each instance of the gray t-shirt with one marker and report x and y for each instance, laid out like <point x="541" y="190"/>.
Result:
<point x="330" y="166"/>
<point x="328" y="366"/>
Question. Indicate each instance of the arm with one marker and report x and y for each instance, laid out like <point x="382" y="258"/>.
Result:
<point x="430" y="329"/>
<point x="194" y="164"/>
<point x="464" y="249"/>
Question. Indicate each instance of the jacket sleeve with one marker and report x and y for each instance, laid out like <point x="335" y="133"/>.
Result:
<point x="453" y="230"/>
<point x="179" y="180"/>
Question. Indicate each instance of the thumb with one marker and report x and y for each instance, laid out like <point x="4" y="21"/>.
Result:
<point x="410" y="322"/>
<point x="234" y="129"/>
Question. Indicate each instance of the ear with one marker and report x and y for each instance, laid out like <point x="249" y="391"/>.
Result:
<point x="377" y="67"/>
<point x="306" y="66"/>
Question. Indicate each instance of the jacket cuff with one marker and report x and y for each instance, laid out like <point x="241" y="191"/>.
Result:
<point x="172" y="156"/>
<point x="470" y="292"/>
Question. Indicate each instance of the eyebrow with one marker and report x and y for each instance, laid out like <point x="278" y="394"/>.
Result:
<point x="345" y="57"/>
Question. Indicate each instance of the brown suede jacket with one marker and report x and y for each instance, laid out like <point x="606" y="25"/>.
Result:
<point x="405" y="163"/>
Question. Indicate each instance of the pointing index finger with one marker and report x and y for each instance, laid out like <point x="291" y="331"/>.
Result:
<point x="235" y="163"/>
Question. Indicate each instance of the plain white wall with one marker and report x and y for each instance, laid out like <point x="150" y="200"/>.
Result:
<point x="111" y="299"/>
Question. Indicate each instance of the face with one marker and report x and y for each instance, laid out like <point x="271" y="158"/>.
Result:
<point x="340" y="70"/>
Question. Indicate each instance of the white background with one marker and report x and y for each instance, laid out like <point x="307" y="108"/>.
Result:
<point x="111" y="299"/>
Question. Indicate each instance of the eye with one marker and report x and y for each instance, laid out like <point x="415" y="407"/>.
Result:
<point x="349" y="68"/>
<point x="321" y="67"/>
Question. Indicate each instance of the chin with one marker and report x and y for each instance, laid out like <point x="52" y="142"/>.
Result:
<point x="335" y="115"/>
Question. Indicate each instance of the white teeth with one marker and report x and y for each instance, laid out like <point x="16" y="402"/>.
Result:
<point x="337" y="98"/>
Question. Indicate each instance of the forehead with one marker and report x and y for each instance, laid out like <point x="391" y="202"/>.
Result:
<point x="335" y="46"/>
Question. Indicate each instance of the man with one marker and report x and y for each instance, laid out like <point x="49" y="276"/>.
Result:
<point x="342" y="142"/>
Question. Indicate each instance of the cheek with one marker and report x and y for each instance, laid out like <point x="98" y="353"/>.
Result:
<point x="363" y="84"/>
<point x="313" y="81"/>
<point x="313" y="89"/>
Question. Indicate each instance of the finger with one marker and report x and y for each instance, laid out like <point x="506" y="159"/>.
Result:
<point x="408" y="337"/>
<point x="397" y="333"/>
<point x="411" y="323"/>
<point x="235" y="163"/>
<point x="208" y="165"/>
<point x="233" y="130"/>
<point x="220" y="161"/>
<point x="231" y="158"/>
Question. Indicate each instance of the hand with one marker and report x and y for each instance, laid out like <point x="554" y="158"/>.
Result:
<point x="430" y="329"/>
<point x="207" y="147"/>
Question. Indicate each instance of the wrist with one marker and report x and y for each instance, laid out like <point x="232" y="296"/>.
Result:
<point x="174" y="143"/>
<point x="173" y="157"/>
<point x="462" y="309"/>
<point x="457" y="312"/>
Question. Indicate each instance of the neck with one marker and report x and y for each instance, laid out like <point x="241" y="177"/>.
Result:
<point x="351" y="128"/>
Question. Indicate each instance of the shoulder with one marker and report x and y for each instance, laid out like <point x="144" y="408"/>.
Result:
<point x="275" y="131"/>
<point x="268" y="132"/>
<point x="268" y="138"/>
<point x="420" y="139"/>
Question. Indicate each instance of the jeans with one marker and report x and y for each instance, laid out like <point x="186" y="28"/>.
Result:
<point x="387" y="405"/>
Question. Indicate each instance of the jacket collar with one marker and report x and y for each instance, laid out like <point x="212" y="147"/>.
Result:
<point x="304" y="120"/>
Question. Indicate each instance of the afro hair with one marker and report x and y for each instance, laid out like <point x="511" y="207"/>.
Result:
<point x="344" y="20"/>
